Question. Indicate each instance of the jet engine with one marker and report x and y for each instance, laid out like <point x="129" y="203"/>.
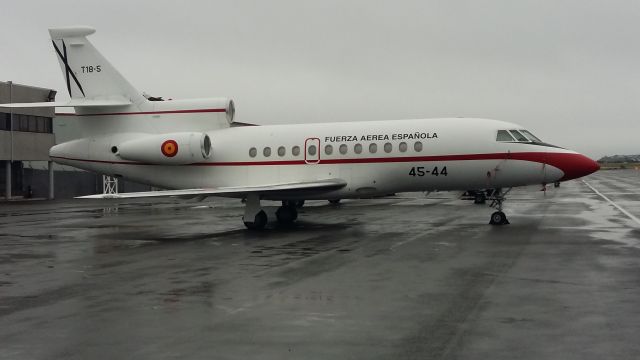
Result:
<point x="166" y="149"/>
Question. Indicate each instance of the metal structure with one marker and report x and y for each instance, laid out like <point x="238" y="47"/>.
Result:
<point x="109" y="185"/>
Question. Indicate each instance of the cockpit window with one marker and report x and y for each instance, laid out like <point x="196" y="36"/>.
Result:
<point x="531" y="136"/>
<point x="503" y="135"/>
<point x="516" y="134"/>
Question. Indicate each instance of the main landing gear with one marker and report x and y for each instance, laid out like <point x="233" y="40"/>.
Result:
<point x="256" y="219"/>
<point x="479" y="197"/>
<point x="287" y="213"/>
<point x="498" y="217"/>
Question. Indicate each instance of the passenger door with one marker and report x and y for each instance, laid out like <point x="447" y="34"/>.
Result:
<point x="312" y="150"/>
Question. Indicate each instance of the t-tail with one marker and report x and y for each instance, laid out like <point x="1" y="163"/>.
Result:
<point x="110" y="104"/>
<point x="88" y="76"/>
<point x="119" y="125"/>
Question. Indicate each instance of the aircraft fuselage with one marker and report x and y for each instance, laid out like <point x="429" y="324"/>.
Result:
<point x="373" y="157"/>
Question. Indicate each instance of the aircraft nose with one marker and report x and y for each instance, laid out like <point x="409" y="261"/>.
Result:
<point x="573" y="165"/>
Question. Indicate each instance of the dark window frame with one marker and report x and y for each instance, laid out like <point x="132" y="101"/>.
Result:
<point x="507" y="133"/>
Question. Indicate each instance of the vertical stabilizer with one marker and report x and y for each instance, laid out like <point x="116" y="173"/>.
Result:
<point x="88" y="75"/>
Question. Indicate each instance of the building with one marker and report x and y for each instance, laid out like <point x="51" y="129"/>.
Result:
<point x="26" y="134"/>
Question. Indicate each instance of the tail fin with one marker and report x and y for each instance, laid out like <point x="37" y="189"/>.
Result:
<point x="88" y="75"/>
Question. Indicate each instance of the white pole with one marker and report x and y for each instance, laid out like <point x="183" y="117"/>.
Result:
<point x="8" y="179"/>
<point x="51" y="195"/>
<point x="11" y="115"/>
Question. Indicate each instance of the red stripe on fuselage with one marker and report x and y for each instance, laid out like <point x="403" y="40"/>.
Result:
<point x="571" y="164"/>
<point x="189" y="111"/>
<point x="538" y="157"/>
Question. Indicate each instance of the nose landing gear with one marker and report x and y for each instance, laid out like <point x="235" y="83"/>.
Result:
<point x="498" y="217"/>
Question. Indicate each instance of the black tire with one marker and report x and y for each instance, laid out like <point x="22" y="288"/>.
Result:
<point x="556" y="184"/>
<point x="498" y="218"/>
<point x="334" y="201"/>
<point x="259" y="222"/>
<point x="480" y="198"/>
<point x="286" y="215"/>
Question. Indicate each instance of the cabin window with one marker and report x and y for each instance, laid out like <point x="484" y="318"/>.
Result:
<point x="295" y="150"/>
<point x="357" y="148"/>
<point x="417" y="146"/>
<point x="253" y="152"/>
<point x="281" y="151"/>
<point x="328" y="149"/>
<point x="311" y="150"/>
<point x="531" y="136"/>
<point x="266" y="152"/>
<point x="516" y="134"/>
<point x="388" y="147"/>
<point x="503" y="135"/>
<point x="403" y="147"/>
<point x="343" y="149"/>
<point x="373" y="148"/>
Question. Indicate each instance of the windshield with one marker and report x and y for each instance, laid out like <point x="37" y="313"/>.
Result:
<point x="517" y="136"/>
<point x="531" y="136"/>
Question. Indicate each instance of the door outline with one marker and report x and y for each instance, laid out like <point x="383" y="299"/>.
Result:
<point x="308" y="142"/>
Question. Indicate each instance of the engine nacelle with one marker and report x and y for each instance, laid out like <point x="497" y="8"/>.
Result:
<point x="166" y="149"/>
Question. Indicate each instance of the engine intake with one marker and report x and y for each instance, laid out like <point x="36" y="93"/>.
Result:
<point x="167" y="149"/>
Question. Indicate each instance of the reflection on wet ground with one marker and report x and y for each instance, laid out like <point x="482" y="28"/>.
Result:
<point x="400" y="277"/>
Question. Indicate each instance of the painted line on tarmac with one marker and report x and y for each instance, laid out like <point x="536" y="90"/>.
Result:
<point x="613" y="203"/>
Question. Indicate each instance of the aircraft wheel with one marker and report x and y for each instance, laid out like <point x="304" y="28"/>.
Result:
<point x="258" y="223"/>
<point x="480" y="198"/>
<point x="334" y="201"/>
<point x="286" y="215"/>
<point x="556" y="184"/>
<point x="498" y="218"/>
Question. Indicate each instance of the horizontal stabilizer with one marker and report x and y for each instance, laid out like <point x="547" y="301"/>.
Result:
<point x="319" y="185"/>
<point x="71" y="103"/>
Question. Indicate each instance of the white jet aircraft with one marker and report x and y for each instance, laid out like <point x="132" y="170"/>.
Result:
<point x="195" y="147"/>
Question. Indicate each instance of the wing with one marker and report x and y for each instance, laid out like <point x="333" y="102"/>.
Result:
<point x="72" y="103"/>
<point x="271" y="190"/>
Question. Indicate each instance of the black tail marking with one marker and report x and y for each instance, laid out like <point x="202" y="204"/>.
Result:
<point x="68" y="71"/>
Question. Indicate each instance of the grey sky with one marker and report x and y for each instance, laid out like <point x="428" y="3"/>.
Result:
<point x="567" y="70"/>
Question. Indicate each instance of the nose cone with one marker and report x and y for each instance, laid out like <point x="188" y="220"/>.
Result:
<point x="573" y="165"/>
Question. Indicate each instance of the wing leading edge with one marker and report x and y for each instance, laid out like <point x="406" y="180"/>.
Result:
<point x="270" y="190"/>
<point x="82" y="103"/>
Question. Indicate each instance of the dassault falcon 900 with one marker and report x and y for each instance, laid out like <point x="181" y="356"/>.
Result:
<point x="195" y="148"/>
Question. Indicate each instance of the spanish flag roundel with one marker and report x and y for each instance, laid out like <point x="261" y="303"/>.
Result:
<point x="169" y="148"/>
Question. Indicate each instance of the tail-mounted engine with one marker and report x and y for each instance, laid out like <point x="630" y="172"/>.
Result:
<point x="166" y="149"/>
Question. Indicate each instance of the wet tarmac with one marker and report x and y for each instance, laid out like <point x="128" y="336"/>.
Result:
<point x="406" y="277"/>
